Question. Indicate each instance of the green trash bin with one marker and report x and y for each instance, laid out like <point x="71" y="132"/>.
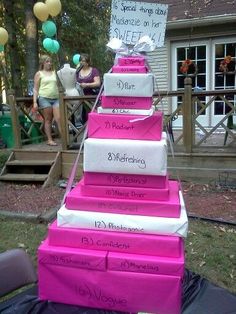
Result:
<point x="6" y="130"/>
<point x="6" y="134"/>
<point x="35" y="134"/>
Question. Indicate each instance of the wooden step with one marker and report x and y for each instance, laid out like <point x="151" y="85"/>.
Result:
<point x="43" y="167"/>
<point x="24" y="177"/>
<point x="30" y="162"/>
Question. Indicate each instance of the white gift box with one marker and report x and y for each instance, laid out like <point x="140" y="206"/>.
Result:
<point x="142" y="112"/>
<point x="125" y="156"/>
<point x="124" y="223"/>
<point x="126" y="84"/>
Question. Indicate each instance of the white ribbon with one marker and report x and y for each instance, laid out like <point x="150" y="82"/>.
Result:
<point x="145" y="44"/>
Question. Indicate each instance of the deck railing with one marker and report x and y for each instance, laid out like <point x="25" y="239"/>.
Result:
<point x="191" y="105"/>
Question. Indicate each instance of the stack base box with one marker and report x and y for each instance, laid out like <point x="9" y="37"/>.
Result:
<point x="91" y="278"/>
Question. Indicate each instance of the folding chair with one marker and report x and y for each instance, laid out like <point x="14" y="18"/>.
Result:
<point x="16" y="271"/>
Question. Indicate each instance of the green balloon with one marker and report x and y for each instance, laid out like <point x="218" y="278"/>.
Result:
<point x="56" y="46"/>
<point x="48" y="44"/>
<point x="76" y="58"/>
<point x="49" y="28"/>
<point x="1" y="48"/>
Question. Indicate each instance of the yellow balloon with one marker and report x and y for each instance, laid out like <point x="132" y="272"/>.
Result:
<point x="54" y="7"/>
<point x="3" y="36"/>
<point x="41" y="11"/>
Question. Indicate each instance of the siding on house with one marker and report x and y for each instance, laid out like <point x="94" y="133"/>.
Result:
<point x="188" y="11"/>
<point x="158" y="62"/>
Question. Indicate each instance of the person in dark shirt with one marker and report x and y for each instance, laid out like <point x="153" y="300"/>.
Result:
<point x="87" y="76"/>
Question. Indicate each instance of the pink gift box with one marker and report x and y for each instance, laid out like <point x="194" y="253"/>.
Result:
<point x="129" y="69"/>
<point x="66" y="257"/>
<point x="125" y="126"/>
<point x="157" y="245"/>
<point x="124" y="192"/>
<point x="171" y="208"/>
<point x="119" y="179"/>
<point x="173" y="266"/>
<point x="111" y="290"/>
<point x="126" y="102"/>
<point x="131" y="61"/>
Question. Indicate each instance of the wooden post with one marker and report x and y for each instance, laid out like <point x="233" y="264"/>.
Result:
<point x="14" y="119"/>
<point x="188" y="115"/>
<point x="63" y="119"/>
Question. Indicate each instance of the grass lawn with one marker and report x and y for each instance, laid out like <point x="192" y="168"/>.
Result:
<point x="210" y="248"/>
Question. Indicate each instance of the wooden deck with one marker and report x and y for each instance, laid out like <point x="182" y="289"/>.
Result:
<point x="197" y="152"/>
<point x="205" y="164"/>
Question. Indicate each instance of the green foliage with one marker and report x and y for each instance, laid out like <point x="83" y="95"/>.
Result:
<point x="3" y="158"/>
<point x="82" y="27"/>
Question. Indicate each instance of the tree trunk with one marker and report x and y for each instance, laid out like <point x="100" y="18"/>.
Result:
<point x="10" y="22"/>
<point x="31" y="58"/>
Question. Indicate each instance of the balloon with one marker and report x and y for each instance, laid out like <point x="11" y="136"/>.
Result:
<point x="48" y="44"/>
<point x="3" y="36"/>
<point x="41" y="11"/>
<point x="49" y="28"/>
<point x="56" y="46"/>
<point x="76" y="58"/>
<point x="54" y="7"/>
<point x="1" y="48"/>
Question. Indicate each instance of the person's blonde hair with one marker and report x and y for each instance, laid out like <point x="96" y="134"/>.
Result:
<point x="42" y="60"/>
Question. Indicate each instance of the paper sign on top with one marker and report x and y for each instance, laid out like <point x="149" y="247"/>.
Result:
<point x="129" y="84"/>
<point x="131" y="20"/>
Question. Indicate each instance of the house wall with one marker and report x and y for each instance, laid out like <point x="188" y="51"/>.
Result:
<point x="160" y="59"/>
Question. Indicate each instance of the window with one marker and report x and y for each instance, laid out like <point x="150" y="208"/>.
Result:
<point x="224" y="79"/>
<point x="197" y="54"/>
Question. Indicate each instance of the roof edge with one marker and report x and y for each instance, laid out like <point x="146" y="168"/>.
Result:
<point x="203" y="21"/>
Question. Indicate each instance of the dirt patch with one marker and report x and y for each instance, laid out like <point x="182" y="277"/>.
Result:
<point x="27" y="198"/>
<point x="208" y="201"/>
<point x="201" y="200"/>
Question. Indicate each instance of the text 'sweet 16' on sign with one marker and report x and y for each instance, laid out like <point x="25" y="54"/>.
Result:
<point x="131" y="20"/>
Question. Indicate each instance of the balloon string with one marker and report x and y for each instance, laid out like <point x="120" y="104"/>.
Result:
<point x="165" y="124"/>
<point x="73" y="170"/>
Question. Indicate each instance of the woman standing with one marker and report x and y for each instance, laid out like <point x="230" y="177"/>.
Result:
<point x="88" y="79"/>
<point x="87" y="76"/>
<point x="46" y="96"/>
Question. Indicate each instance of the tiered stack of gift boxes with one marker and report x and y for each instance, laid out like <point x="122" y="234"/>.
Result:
<point x="117" y="242"/>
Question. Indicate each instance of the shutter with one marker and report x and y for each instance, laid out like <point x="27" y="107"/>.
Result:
<point x="158" y="62"/>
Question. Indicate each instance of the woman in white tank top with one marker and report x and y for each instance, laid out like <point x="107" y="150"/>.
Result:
<point x="46" y="96"/>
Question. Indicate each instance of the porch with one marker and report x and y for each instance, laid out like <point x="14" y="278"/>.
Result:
<point x="194" y="151"/>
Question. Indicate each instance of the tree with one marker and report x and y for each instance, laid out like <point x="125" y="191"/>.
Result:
<point x="31" y="43"/>
<point x="82" y="26"/>
<point x="10" y="24"/>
